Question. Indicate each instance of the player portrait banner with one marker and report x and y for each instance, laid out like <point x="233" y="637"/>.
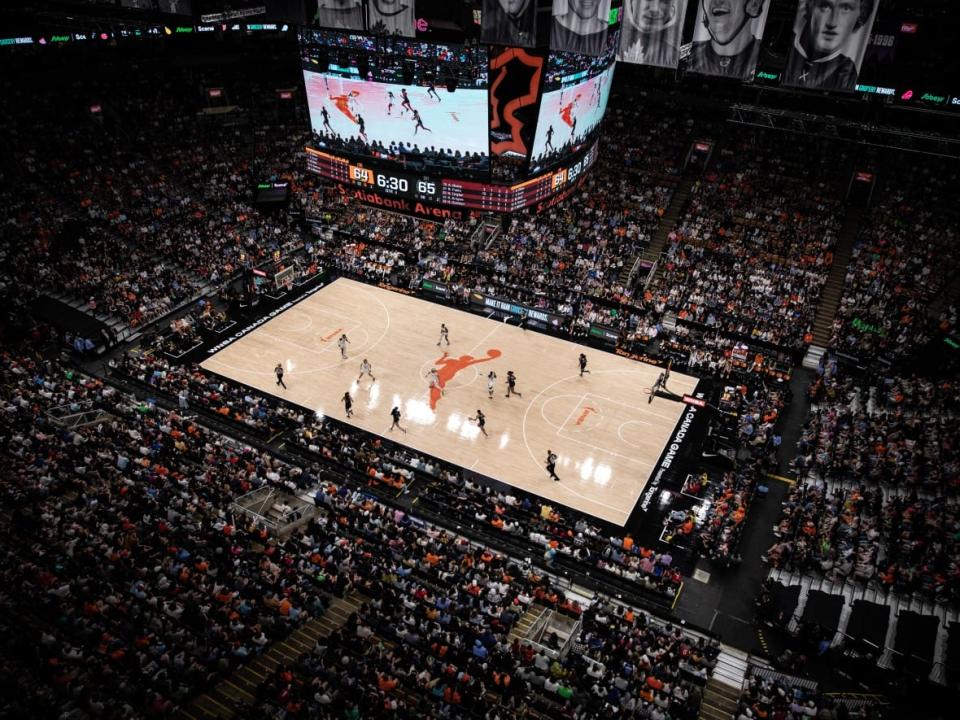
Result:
<point x="392" y="17"/>
<point x="509" y="22"/>
<point x="340" y="14"/>
<point x="830" y="38"/>
<point x="580" y="26"/>
<point x="650" y="33"/>
<point x="726" y="37"/>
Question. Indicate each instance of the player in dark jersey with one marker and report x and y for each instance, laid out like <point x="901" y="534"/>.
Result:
<point x="512" y="385"/>
<point x="552" y="465"/>
<point x="549" y="139"/>
<point x="362" y="127"/>
<point x="583" y="364"/>
<point x="481" y="421"/>
<point x="405" y="100"/>
<point x="431" y="90"/>
<point x="326" y="119"/>
<point x="348" y="403"/>
<point x="279" y="371"/>
<point x="419" y="123"/>
<point x="395" y="414"/>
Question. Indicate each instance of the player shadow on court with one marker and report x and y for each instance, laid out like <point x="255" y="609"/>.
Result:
<point x="448" y="367"/>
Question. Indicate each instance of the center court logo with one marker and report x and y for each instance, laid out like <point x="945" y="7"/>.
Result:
<point x="448" y="367"/>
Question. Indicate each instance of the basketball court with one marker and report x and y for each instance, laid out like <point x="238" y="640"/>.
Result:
<point x="608" y="438"/>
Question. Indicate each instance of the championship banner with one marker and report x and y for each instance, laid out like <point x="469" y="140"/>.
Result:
<point x="650" y="33"/>
<point x="509" y="22"/>
<point x="580" y="26"/>
<point x="726" y="39"/>
<point x="830" y="38"/>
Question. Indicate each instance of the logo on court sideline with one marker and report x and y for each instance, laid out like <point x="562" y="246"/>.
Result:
<point x="449" y="367"/>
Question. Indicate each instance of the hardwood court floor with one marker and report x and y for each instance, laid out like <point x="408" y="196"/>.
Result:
<point x="608" y="438"/>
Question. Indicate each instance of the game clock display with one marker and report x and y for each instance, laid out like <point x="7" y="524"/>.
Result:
<point x="392" y="183"/>
<point x="491" y="197"/>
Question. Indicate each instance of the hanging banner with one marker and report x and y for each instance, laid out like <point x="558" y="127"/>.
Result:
<point x="392" y="17"/>
<point x="726" y="38"/>
<point x="509" y="22"/>
<point x="340" y="14"/>
<point x="651" y="30"/>
<point x="830" y="38"/>
<point x="580" y="26"/>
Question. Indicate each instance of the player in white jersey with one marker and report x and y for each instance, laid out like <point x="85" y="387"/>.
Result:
<point x="366" y="369"/>
<point x="433" y="379"/>
<point x="491" y="378"/>
<point x="444" y="335"/>
<point x="342" y="344"/>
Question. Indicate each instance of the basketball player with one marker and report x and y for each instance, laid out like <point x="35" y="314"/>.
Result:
<point x="366" y="369"/>
<point x="390" y="99"/>
<point x="279" y="371"/>
<point x="419" y="123"/>
<point x="434" y="377"/>
<point x="342" y="343"/>
<point x="512" y="384"/>
<point x="481" y="420"/>
<point x="444" y="335"/>
<point x="348" y="403"/>
<point x="395" y="414"/>
<point x="405" y="101"/>
<point x="549" y="139"/>
<point x="583" y="364"/>
<point x="431" y="90"/>
<point x="552" y="465"/>
<point x="491" y="377"/>
<point x="326" y="119"/>
<point x="363" y="127"/>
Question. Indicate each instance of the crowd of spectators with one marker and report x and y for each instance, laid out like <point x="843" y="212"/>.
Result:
<point x="903" y="260"/>
<point x="433" y="641"/>
<point x="135" y="586"/>
<point x="771" y="695"/>
<point x="896" y="431"/>
<point x="140" y="204"/>
<point x="411" y="157"/>
<point x="754" y="247"/>
<point x="878" y="502"/>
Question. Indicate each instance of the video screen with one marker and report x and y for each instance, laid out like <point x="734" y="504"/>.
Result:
<point x="568" y="119"/>
<point x="423" y="105"/>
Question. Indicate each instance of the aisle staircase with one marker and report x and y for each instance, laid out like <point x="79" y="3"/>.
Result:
<point x="521" y="628"/>
<point x="671" y="216"/>
<point x="833" y="289"/>
<point x="240" y="689"/>
<point x="723" y="690"/>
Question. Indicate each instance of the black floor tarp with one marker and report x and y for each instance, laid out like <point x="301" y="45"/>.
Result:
<point x="868" y="623"/>
<point x="823" y="609"/>
<point x="916" y="638"/>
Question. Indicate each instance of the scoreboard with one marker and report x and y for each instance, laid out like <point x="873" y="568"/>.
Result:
<point x="451" y="192"/>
